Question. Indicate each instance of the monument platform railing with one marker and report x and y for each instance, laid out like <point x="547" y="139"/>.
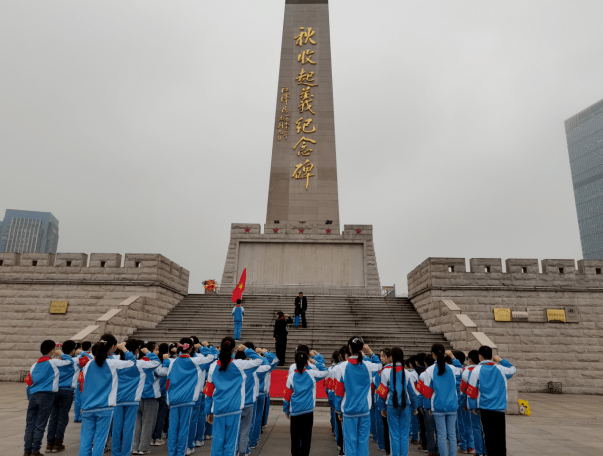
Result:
<point x="307" y="289"/>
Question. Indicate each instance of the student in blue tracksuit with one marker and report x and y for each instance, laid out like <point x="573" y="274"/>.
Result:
<point x="474" y="419"/>
<point x="42" y="385"/>
<point x="225" y="393"/>
<point x="146" y="418"/>
<point x="162" y="410"/>
<point x="247" y="414"/>
<point x="331" y="392"/>
<point x="439" y="385"/>
<point x="414" y="420"/>
<point x="129" y="391"/>
<point x="237" y="318"/>
<point x="77" y="403"/>
<point x="428" y="418"/>
<point x="397" y="392"/>
<point x="381" y="424"/>
<point x="353" y="396"/>
<point x="59" y="415"/>
<point x="487" y="393"/>
<point x="299" y="400"/>
<point x="269" y="363"/>
<point x="185" y="379"/>
<point x="98" y="384"/>
<point x="464" y="435"/>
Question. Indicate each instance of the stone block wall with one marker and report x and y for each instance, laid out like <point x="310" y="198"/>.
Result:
<point x="93" y="289"/>
<point x="570" y="353"/>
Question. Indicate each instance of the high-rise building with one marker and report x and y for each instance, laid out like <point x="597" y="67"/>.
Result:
<point x="28" y="231"/>
<point x="584" y="133"/>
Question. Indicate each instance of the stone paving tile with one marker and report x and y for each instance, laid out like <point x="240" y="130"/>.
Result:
<point x="560" y="425"/>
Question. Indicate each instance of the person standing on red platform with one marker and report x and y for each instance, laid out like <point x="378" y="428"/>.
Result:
<point x="280" y="335"/>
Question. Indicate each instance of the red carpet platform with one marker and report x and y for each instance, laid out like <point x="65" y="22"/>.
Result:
<point x="279" y="381"/>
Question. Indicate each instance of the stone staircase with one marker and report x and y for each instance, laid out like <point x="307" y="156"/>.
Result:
<point x="331" y="321"/>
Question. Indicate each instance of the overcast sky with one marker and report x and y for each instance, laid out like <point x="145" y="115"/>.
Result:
<point x="146" y="125"/>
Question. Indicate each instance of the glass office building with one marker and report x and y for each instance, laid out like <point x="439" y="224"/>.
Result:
<point x="28" y="231"/>
<point x="584" y="133"/>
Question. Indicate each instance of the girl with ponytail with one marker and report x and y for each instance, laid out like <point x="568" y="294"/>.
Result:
<point x="438" y="384"/>
<point x="353" y="399"/>
<point x="226" y="395"/>
<point x="397" y="393"/>
<point x="300" y="399"/>
<point x="98" y="387"/>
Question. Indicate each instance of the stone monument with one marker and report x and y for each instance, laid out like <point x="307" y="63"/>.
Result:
<point x="302" y="243"/>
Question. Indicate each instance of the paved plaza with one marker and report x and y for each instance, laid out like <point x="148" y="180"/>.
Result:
<point x="563" y="425"/>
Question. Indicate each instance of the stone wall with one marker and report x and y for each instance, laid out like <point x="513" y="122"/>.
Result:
<point x="311" y="234"/>
<point x="570" y="353"/>
<point x="92" y="286"/>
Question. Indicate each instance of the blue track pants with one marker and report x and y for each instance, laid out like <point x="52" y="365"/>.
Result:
<point x="256" y="426"/>
<point x="77" y="405"/>
<point x="477" y="432"/>
<point x="238" y="325"/>
<point x="464" y="436"/>
<point x="124" y="422"/>
<point x="414" y="428"/>
<point x="225" y="435"/>
<point x="356" y="432"/>
<point x="399" y="430"/>
<point x="380" y="430"/>
<point x="95" y="428"/>
<point x="373" y="424"/>
<point x="178" y="431"/>
<point x="192" y="431"/>
<point x="201" y="420"/>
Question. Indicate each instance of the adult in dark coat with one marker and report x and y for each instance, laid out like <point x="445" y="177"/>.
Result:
<point x="280" y="335"/>
<point x="301" y="305"/>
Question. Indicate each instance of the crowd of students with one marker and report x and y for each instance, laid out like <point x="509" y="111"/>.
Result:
<point x="131" y="396"/>
<point x="431" y="400"/>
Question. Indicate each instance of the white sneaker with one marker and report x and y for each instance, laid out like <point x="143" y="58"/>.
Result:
<point x="153" y="443"/>
<point x="164" y="435"/>
<point x="159" y="442"/>
<point x="208" y="437"/>
<point x="189" y="451"/>
<point x="199" y="443"/>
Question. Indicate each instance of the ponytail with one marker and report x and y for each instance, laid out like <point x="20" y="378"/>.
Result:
<point x="438" y="350"/>
<point x="103" y="346"/>
<point x="184" y="346"/>
<point x="398" y="357"/>
<point x="301" y="359"/>
<point x="226" y="347"/>
<point x="356" y="344"/>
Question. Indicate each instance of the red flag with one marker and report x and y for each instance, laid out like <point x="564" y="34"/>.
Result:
<point x="237" y="293"/>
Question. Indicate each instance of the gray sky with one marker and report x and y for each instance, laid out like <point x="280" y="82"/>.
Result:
<point x="146" y="125"/>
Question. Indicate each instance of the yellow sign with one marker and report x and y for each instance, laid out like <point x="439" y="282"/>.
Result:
<point x="58" y="307"/>
<point x="502" y="315"/>
<point x="556" y="315"/>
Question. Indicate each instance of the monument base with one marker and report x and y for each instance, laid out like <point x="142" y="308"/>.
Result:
<point x="316" y="259"/>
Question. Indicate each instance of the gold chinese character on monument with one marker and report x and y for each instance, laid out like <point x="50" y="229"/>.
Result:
<point x="284" y="109"/>
<point x="305" y="57"/>
<point x="302" y="171"/>
<point x="285" y="134"/>
<point x="281" y="125"/>
<point x="305" y="35"/>
<point x="304" y="148"/>
<point x="302" y="127"/>
<point x="285" y="89"/>
<point x="286" y="126"/>
<point x="285" y="98"/>
<point x="306" y="101"/>
<point x="305" y="78"/>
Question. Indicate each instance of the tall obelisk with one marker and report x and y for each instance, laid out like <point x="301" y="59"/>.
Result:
<point x="303" y="175"/>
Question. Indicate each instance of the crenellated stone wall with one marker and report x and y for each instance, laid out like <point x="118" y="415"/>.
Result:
<point x="92" y="286"/>
<point x="570" y="353"/>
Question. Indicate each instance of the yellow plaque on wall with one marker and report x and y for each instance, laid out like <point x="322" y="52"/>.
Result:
<point x="502" y="315"/>
<point x="556" y="315"/>
<point x="58" y="307"/>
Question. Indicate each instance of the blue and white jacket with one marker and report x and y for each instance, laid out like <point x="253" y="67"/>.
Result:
<point x="487" y="387"/>
<point x="44" y="375"/>
<point x="269" y="363"/>
<point x="423" y="401"/>
<point x="98" y="385"/>
<point x="225" y="390"/>
<point x="353" y="396"/>
<point x="300" y="391"/>
<point x="151" y="384"/>
<point x="441" y="389"/>
<point x="186" y="378"/>
<point x="68" y="374"/>
<point x="131" y="380"/>
<point x="237" y="313"/>
<point x="404" y="385"/>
